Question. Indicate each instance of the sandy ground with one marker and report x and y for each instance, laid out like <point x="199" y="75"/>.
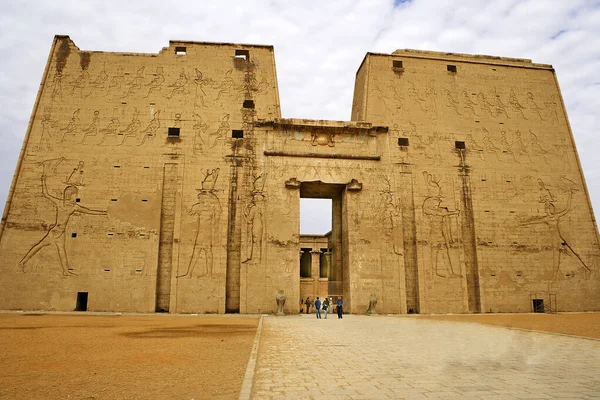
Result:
<point x="578" y="324"/>
<point x="66" y="356"/>
<point x="85" y="356"/>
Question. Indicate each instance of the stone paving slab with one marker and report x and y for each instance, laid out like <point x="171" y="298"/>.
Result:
<point x="393" y="357"/>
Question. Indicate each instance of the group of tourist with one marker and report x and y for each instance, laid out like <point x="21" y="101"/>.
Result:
<point x="326" y="306"/>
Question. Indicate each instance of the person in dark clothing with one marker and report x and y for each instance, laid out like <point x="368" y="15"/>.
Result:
<point x="308" y="303"/>
<point x="318" y="308"/>
<point x="340" y="308"/>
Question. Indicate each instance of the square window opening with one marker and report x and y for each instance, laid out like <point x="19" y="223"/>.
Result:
<point x="181" y="50"/>
<point x="73" y="235"/>
<point x="243" y="54"/>
<point x="397" y="64"/>
<point x="248" y="104"/>
<point x="77" y="200"/>
<point x="459" y="145"/>
<point x="173" y="132"/>
<point x="451" y="68"/>
<point x="237" y="134"/>
<point x="402" y="141"/>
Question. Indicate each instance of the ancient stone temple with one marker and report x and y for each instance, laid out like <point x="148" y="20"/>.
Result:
<point x="169" y="182"/>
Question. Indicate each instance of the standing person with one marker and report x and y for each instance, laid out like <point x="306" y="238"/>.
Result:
<point x="301" y="305"/>
<point x="330" y="305"/>
<point x="308" y="302"/>
<point x="326" y="306"/>
<point x="318" y="307"/>
<point x="340" y="308"/>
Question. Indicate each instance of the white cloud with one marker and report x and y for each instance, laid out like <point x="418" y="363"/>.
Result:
<point x="318" y="48"/>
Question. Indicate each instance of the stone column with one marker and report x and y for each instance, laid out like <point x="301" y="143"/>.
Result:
<point x="315" y="270"/>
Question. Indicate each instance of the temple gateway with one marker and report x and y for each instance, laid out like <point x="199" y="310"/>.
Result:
<point x="170" y="182"/>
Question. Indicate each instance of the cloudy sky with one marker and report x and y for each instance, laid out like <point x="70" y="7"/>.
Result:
<point x="318" y="47"/>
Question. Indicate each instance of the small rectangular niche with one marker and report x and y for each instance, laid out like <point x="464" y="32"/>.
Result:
<point x="117" y="166"/>
<point x="451" y="68"/>
<point x="459" y="145"/>
<point x="492" y="274"/>
<point x="173" y="132"/>
<point x="77" y="200"/>
<point x="248" y="104"/>
<point x="242" y="54"/>
<point x="107" y="270"/>
<point x="142" y="234"/>
<point x="397" y="64"/>
<point x="74" y="234"/>
<point x="139" y="271"/>
<point x="181" y="50"/>
<point x="144" y="201"/>
<point x="402" y="141"/>
<point x="113" y="199"/>
<point x="110" y="234"/>
<point x="477" y="120"/>
<point x="237" y="134"/>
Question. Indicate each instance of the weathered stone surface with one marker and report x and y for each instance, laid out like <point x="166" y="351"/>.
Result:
<point x="170" y="182"/>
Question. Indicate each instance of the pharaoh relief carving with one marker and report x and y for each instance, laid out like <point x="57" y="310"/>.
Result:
<point x="99" y="82"/>
<point x="207" y="211"/>
<point x="178" y="87"/>
<point x="443" y="255"/>
<point x="72" y="128"/>
<point x="254" y="215"/>
<point x="65" y="206"/>
<point x="48" y="129"/>
<point x="201" y="82"/>
<point x="150" y="131"/>
<point x="136" y="84"/>
<point x="93" y="128"/>
<point x="199" y="133"/>
<point x="427" y="100"/>
<point x="562" y="250"/>
<point x="221" y="133"/>
<point x="156" y="83"/>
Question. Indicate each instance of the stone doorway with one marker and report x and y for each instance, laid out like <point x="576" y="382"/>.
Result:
<point x="321" y="256"/>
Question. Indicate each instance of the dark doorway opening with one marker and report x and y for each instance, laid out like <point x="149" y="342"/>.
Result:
<point x="82" y="299"/>
<point x="538" y="305"/>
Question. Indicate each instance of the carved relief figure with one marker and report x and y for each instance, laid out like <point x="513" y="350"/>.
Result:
<point x="520" y="148"/>
<point x="208" y="211"/>
<point x="99" y="82"/>
<point x="513" y="101"/>
<point x="499" y="106"/>
<point x="560" y="246"/>
<point x="441" y="239"/>
<point x="48" y="125"/>
<point x="66" y="206"/>
<point x="199" y="131"/>
<point x="451" y="102"/>
<point x="473" y="146"/>
<point x="552" y="107"/>
<point x="93" y="128"/>
<point x="489" y="145"/>
<point x="485" y="105"/>
<point x="57" y="85"/>
<point x="80" y="82"/>
<point x="226" y="85"/>
<point x="389" y="213"/>
<point x="254" y="216"/>
<point x="131" y="130"/>
<point x="115" y="82"/>
<point x="467" y="103"/>
<point x="152" y="127"/>
<point x="200" y="82"/>
<point x="136" y="83"/>
<point x="533" y="106"/>
<point x="179" y="85"/>
<point x="506" y="146"/>
<point x="222" y="132"/>
<point x="73" y="125"/>
<point x="156" y="82"/>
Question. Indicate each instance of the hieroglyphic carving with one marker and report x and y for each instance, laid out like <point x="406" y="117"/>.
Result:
<point x="507" y="147"/>
<point x="440" y="233"/>
<point x="150" y="130"/>
<point x="115" y="82"/>
<point x="473" y="146"/>
<point x="135" y="86"/>
<point x="485" y="105"/>
<point x="199" y="131"/>
<point x="389" y="214"/>
<point x="178" y="86"/>
<point x="130" y="131"/>
<point x="499" y="106"/>
<point x="201" y="82"/>
<point x="57" y="85"/>
<point x="66" y="206"/>
<point x="48" y="125"/>
<point x="225" y="86"/>
<point x="467" y="103"/>
<point x="451" y="102"/>
<point x="427" y="102"/>
<point x="80" y="83"/>
<point x="489" y="145"/>
<point x="156" y="82"/>
<point x="254" y="214"/>
<point x="520" y="148"/>
<point x="533" y="106"/>
<point x="208" y="211"/>
<point x="321" y="138"/>
<point x="93" y="128"/>
<point x="552" y="107"/>
<point x="99" y="82"/>
<point x="222" y="132"/>
<point x="513" y="101"/>
<point x="71" y="128"/>
<point x="552" y="217"/>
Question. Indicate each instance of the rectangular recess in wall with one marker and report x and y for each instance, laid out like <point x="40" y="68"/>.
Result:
<point x="397" y="64"/>
<point x="402" y="141"/>
<point x="237" y="134"/>
<point x="242" y="54"/>
<point x="459" y="145"/>
<point x="451" y="68"/>
<point x="248" y="104"/>
<point x="173" y="132"/>
<point x="181" y="50"/>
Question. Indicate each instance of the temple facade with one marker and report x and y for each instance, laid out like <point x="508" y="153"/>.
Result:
<point x="170" y="182"/>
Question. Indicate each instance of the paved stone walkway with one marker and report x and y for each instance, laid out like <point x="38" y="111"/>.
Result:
<point x="394" y="357"/>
